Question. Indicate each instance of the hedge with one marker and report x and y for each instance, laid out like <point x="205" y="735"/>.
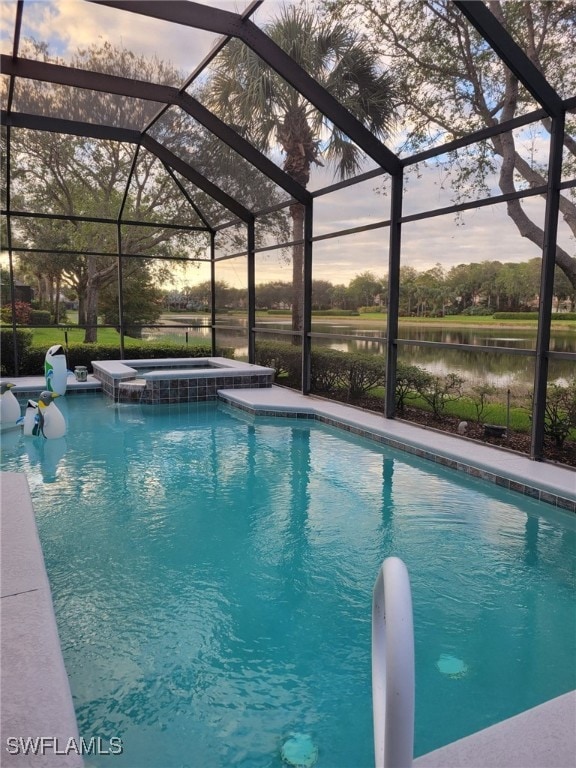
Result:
<point x="318" y="312"/>
<point x="40" y="317"/>
<point x="533" y="316"/>
<point x="352" y="374"/>
<point x="31" y="359"/>
<point x="23" y="344"/>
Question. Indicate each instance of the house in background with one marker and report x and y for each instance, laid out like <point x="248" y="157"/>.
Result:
<point x="22" y="292"/>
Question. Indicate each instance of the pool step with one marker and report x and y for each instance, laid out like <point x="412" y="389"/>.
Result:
<point x="131" y="391"/>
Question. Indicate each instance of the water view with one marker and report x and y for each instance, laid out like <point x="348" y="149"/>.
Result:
<point x="503" y="368"/>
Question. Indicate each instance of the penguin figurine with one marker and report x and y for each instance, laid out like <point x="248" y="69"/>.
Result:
<point x="30" y="418"/>
<point x="9" y="406"/>
<point x="56" y="369"/>
<point x="51" y="423"/>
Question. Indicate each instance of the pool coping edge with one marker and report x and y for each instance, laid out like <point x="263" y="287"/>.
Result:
<point x="36" y="699"/>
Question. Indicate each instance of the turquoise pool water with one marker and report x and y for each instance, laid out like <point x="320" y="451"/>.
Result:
<point x="212" y="579"/>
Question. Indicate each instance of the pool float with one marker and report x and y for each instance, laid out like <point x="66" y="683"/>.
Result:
<point x="9" y="405"/>
<point x="30" y="418"/>
<point x="51" y="422"/>
<point x="56" y="369"/>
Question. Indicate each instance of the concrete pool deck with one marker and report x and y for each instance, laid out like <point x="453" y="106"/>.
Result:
<point x="35" y="694"/>
<point x="36" y="698"/>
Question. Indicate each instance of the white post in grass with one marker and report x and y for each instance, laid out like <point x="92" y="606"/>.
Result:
<point x="393" y="666"/>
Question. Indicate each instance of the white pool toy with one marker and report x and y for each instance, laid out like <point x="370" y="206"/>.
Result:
<point x="9" y="405"/>
<point x="56" y="369"/>
<point x="51" y="423"/>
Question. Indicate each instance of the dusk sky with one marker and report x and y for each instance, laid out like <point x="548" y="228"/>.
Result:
<point x="484" y="234"/>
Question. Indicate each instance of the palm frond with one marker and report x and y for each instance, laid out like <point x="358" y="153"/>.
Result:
<point x="247" y="93"/>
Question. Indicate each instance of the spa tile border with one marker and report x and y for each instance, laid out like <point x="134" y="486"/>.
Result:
<point x="512" y="485"/>
<point x="198" y="386"/>
<point x="169" y="391"/>
<point x="23" y="395"/>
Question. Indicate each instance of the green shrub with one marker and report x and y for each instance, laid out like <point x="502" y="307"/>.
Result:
<point x="335" y="313"/>
<point x="478" y="311"/>
<point x="32" y="361"/>
<point x="560" y="412"/>
<point x="332" y="372"/>
<point x="40" y="317"/>
<point x="283" y="357"/>
<point x="364" y="373"/>
<point x="371" y="310"/>
<point x="410" y="380"/>
<point x="327" y="371"/>
<point x="532" y="315"/>
<point x="439" y="392"/>
<point x="23" y="343"/>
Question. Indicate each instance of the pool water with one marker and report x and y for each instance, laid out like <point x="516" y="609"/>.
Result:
<point x="212" y="577"/>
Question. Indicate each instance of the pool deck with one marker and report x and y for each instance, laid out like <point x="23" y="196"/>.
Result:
<point x="36" y="699"/>
<point x="35" y="693"/>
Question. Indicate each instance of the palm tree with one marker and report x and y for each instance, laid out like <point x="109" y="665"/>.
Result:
<point x="258" y="102"/>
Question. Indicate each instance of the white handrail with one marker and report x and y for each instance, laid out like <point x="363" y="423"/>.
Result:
<point x="393" y="666"/>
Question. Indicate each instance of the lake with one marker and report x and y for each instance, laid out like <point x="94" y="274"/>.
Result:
<point x="502" y="369"/>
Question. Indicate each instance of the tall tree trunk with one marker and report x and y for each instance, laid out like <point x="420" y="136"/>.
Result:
<point x="95" y="279"/>
<point x="91" y="302"/>
<point x="297" y="140"/>
<point x="57" y="300"/>
<point x="91" y="309"/>
<point x="81" y="310"/>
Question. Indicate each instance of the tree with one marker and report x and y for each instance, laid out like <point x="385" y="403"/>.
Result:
<point x="564" y="292"/>
<point x="80" y="176"/>
<point x="247" y="93"/>
<point x="451" y="83"/>
<point x="408" y="300"/>
<point x="273" y="295"/>
<point x="364" y="288"/>
<point x="321" y="294"/>
<point x="142" y="299"/>
<point x="431" y="291"/>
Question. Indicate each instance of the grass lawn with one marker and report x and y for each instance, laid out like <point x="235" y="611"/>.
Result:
<point x="464" y="408"/>
<point x="46" y="337"/>
<point x="482" y="321"/>
<point x="469" y="321"/>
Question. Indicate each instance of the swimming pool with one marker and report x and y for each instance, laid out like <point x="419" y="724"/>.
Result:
<point x="212" y="578"/>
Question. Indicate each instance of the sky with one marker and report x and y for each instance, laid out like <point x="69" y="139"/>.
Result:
<point x="483" y="234"/>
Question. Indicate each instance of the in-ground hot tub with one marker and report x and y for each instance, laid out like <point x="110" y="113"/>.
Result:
<point x="176" y="379"/>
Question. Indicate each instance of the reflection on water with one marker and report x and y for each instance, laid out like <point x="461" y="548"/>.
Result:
<point x="499" y="369"/>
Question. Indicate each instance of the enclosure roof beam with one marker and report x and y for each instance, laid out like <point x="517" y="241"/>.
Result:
<point x="186" y="170"/>
<point x="123" y="86"/>
<point x="511" y="54"/>
<point x="199" y="16"/>
<point x="126" y="135"/>
<point x="69" y="127"/>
